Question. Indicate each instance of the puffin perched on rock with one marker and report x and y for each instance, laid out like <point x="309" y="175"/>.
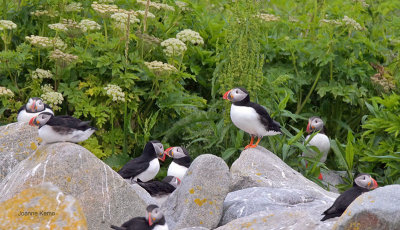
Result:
<point x="362" y="183"/>
<point x="32" y="108"/>
<point x="61" y="128"/>
<point x="154" y="220"/>
<point x="180" y="163"/>
<point x="146" y="166"/>
<point x="161" y="188"/>
<point x="319" y="140"/>
<point x="250" y="117"/>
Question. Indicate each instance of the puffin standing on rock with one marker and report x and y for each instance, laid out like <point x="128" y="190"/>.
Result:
<point x="250" y="117"/>
<point x="180" y="163"/>
<point x="146" y="166"/>
<point x="154" y="220"/>
<point x="362" y="183"/>
<point x="32" y="108"/>
<point x="61" y="128"/>
<point x="319" y="140"/>
<point x="161" y="188"/>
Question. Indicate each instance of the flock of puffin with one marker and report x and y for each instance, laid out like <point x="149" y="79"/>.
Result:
<point x="246" y="115"/>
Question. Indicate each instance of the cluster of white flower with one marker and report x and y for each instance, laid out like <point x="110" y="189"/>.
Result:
<point x="106" y="1"/>
<point x="104" y="9"/>
<point x="7" y="25"/>
<point x="364" y="4"/>
<point x="157" y="5"/>
<point x="293" y="19"/>
<point x="41" y="73"/>
<point x="160" y="68"/>
<point x="121" y="19"/>
<point x="47" y="88"/>
<point x="62" y="59"/>
<point x="182" y="5"/>
<point x="188" y="35"/>
<point x="149" y="14"/>
<point x="45" y="42"/>
<point x="73" y="7"/>
<point x="268" y="17"/>
<point x="53" y="99"/>
<point x="331" y="22"/>
<point x="6" y="92"/>
<point x="87" y="25"/>
<point x="351" y="22"/>
<point x="58" y="27"/>
<point x="173" y="47"/>
<point x="51" y="14"/>
<point x="115" y="92"/>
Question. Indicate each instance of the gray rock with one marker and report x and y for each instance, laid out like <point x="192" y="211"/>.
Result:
<point x="377" y="209"/>
<point x="274" y="200"/>
<point x="198" y="201"/>
<point x="17" y="142"/>
<point x="332" y="178"/>
<point x="104" y="195"/>
<point x="258" y="167"/>
<point x="194" y="228"/>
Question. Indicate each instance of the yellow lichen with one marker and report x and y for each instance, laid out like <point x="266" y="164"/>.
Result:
<point x="200" y="202"/>
<point x="191" y="191"/>
<point x="33" y="146"/>
<point x="201" y="222"/>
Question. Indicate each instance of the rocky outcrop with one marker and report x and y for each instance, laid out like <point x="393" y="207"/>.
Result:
<point x="41" y="207"/>
<point x="377" y="209"/>
<point x="332" y="178"/>
<point x="17" y="142"/>
<point x="105" y="196"/>
<point x="198" y="201"/>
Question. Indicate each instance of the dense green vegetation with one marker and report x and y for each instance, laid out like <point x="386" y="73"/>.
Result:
<point x="335" y="59"/>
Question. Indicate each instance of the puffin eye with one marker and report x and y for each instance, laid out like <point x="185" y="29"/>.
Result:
<point x="237" y="91"/>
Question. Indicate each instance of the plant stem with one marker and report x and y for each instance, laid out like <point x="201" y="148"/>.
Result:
<point x="105" y="29"/>
<point x="145" y="17"/>
<point x="112" y="134"/>
<point x="310" y="92"/>
<point x="125" y="146"/>
<point x="127" y="41"/>
<point x="4" y="9"/>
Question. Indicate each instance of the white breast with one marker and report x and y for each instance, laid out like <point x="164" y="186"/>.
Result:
<point x="24" y="116"/>
<point x="321" y="141"/>
<point x="176" y="170"/>
<point x="48" y="135"/>
<point x="161" y="227"/>
<point x="247" y="119"/>
<point x="150" y="172"/>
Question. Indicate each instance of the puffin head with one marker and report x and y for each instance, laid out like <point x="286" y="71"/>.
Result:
<point x="237" y="95"/>
<point x="314" y="124"/>
<point x="154" y="214"/>
<point x="40" y="119"/>
<point x="34" y="105"/>
<point x="156" y="147"/>
<point x="365" y="180"/>
<point x="176" y="152"/>
<point x="174" y="181"/>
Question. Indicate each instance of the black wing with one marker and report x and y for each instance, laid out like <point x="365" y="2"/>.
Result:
<point x="134" y="167"/>
<point x="157" y="188"/>
<point x="265" y="118"/>
<point x="70" y="122"/>
<point x="184" y="161"/>
<point x="137" y="223"/>
<point x="22" y="108"/>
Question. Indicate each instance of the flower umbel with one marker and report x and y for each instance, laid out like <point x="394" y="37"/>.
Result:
<point x="160" y="68"/>
<point x="121" y="19"/>
<point x="173" y="47"/>
<point x="45" y="42"/>
<point x="62" y="59"/>
<point x="6" y="92"/>
<point x="41" y="74"/>
<point x="89" y="25"/>
<point x="73" y="7"/>
<point x="351" y="22"/>
<point x="53" y="99"/>
<point x="7" y="25"/>
<point x="115" y="92"/>
<point x="104" y="9"/>
<point x="157" y="5"/>
<point x="268" y="17"/>
<point x="190" y="36"/>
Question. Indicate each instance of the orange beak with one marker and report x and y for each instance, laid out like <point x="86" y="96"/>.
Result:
<point x="31" y="121"/>
<point x="179" y="180"/>
<point x="162" y="158"/>
<point x="308" y="128"/>
<point x="375" y="183"/>
<point x="226" y="95"/>
<point x="150" y="222"/>
<point x="33" y="106"/>
<point x="168" y="152"/>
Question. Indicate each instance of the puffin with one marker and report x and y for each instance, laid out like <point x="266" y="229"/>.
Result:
<point x="250" y="117"/>
<point x="146" y="166"/>
<point x="32" y="108"/>
<point x="320" y="140"/>
<point x="362" y="183"/>
<point x="61" y="128"/>
<point x="154" y="220"/>
<point x="161" y="188"/>
<point x="180" y="163"/>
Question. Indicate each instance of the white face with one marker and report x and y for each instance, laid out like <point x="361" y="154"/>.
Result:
<point x="42" y="119"/>
<point x="315" y="123"/>
<point x="235" y="95"/>
<point x="177" y="152"/>
<point x="154" y="216"/>
<point x="34" y="105"/>
<point x="39" y="105"/>
<point x="159" y="148"/>
<point x="175" y="182"/>
<point x="366" y="181"/>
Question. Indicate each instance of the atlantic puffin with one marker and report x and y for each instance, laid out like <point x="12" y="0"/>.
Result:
<point x="61" y="128"/>
<point x="320" y="140"/>
<point x="32" y="108"/>
<point x="362" y="183"/>
<point x="154" y="220"/>
<point x="146" y="166"/>
<point x="180" y="163"/>
<point x="161" y="188"/>
<point x="250" y="117"/>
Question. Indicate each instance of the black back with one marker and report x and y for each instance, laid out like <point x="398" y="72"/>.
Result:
<point x="137" y="223"/>
<point x="184" y="161"/>
<point x="66" y="123"/>
<point x="157" y="188"/>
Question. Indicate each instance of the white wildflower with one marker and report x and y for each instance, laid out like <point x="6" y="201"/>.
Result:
<point x="41" y="73"/>
<point x="58" y="26"/>
<point x="293" y="19"/>
<point x="173" y="47"/>
<point x="45" y="42"/>
<point x="7" y="25"/>
<point x="121" y="19"/>
<point x="160" y="68"/>
<point x="51" y="14"/>
<point x="149" y="14"/>
<point x="115" y="92"/>
<point x="6" y="92"/>
<point x="157" y="5"/>
<point x="106" y="1"/>
<point x="61" y="58"/>
<point x="191" y="36"/>
<point x="88" y="25"/>
<point x="351" y="22"/>
<point x="331" y="22"/>
<point x="182" y="5"/>
<point x="104" y="9"/>
<point x="53" y="99"/>
<point x="363" y="3"/>
<point x="47" y="88"/>
<point x="268" y="17"/>
<point x="73" y="7"/>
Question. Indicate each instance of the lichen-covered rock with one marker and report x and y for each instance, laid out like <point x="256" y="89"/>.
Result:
<point x="42" y="207"/>
<point x="104" y="195"/>
<point x="248" y="201"/>
<point x="258" y="167"/>
<point x="194" y="228"/>
<point x="198" y="201"/>
<point x="332" y="178"/>
<point x="377" y="209"/>
<point x="17" y="142"/>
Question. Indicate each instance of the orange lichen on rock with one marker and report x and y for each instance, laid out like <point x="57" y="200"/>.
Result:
<point x="200" y="202"/>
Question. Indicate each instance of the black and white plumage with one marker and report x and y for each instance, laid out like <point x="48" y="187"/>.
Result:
<point x="146" y="166"/>
<point x="250" y="117"/>
<point x="362" y="183"/>
<point x="61" y="128"/>
<point x="180" y="163"/>
<point x="154" y="220"/>
<point x="32" y="108"/>
<point x="161" y="188"/>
